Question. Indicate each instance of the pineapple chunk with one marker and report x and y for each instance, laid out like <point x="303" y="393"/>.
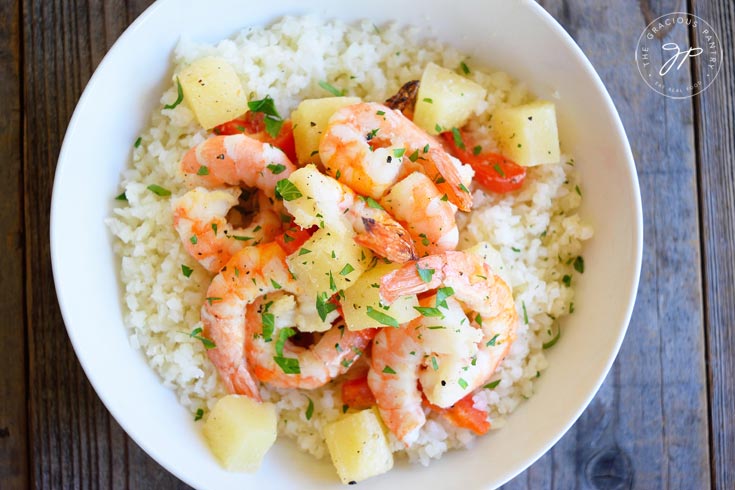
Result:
<point x="213" y="91"/>
<point x="527" y="134"/>
<point x="445" y="99"/>
<point x="309" y="121"/>
<point x="358" y="446"/>
<point x="329" y="261"/>
<point x="239" y="431"/>
<point x="318" y="204"/>
<point x="365" y="293"/>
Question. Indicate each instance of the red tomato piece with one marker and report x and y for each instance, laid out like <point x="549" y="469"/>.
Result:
<point x="357" y="394"/>
<point x="253" y="125"/>
<point x="494" y="172"/>
<point x="292" y="239"/>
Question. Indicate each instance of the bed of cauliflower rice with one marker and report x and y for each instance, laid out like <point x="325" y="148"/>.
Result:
<point x="536" y="232"/>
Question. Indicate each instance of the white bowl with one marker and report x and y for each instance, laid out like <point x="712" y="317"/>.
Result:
<point x="518" y="37"/>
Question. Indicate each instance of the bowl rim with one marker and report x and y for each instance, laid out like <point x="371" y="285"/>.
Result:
<point x="637" y="232"/>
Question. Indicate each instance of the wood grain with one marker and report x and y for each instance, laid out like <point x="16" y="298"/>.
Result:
<point x="647" y="426"/>
<point x="13" y="420"/>
<point x="716" y="163"/>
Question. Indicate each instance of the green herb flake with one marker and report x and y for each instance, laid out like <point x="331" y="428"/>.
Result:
<point x="346" y="270"/>
<point x="425" y="274"/>
<point x="287" y="190"/>
<point x="464" y="188"/>
<point x="414" y="156"/>
<point x="304" y="251"/>
<point x="465" y="68"/>
<point x="203" y="170"/>
<point x="462" y="383"/>
<point x="268" y="321"/>
<point x="492" y="384"/>
<point x="441" y="296"/>
<point x="275" y="284"/>
<point x="428" y="311"/>
<point x="579" y="264"/>
<point x="428" y="100"/>
<point x="567" y="280"/>
<point x="276" y="168"/>
<point x="437" y="128"/>
<point x="492" y="341"/>
<point x="309" y="409"/>
<point x="424" y="240"/>
<point x="478" y="319"/>
<point x="207" y="343"/>
<point x="398" y="152"/>
<point x="193" y="239"/>
<point x="388" y="370"/>
<point x="158" y="190"/>
<point x="242" y="238"/>
<point x="458" y="139"/>
<point x="498" y="170"/>
<point x="516" y="250"/>
<point x="571" y="308"/>
<point x="381" y="317"/>
<point x="138" y="142"/>
<point x="381" y="113"/>
<point x="331" y="89"/>
<point x="345" y="408"/>
<point x="214" y="228"/>
<point x="179" y="96"/>
<point x="198" y="416"/>
<point x="121" y="197"/>
<point x="434" y="363"/>
<point x="426" y="148"/>
<point x="477" y="150"/>
<point x="283" y="335"/>
<point x="445" y="198"/>
<point x="525" y="313"/>
<point x="372" y="203"/>
<point x="554" y="340"/>
<point x="332" y="285"/>
<point x="288" y="365"/>
<point x="371" y="134"/>
<point x="576" y="189"/>
<point x="186" y="270"/>
<point x="323" y="306"/>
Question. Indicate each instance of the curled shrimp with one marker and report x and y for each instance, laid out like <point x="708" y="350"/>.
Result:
<point x="249" y="274"/>
<point x="466" y="278"/>
<point x="200" y="218"/>
<point x="370" y="147"/>
<point x="236" y="160"/>
<point x="279" y="362"/>
<point x="426" y="213"/>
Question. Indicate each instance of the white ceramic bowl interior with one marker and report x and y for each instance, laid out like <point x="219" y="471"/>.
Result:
<point x="518" y="37"/>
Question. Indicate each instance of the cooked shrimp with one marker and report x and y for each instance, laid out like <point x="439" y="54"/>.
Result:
<point x="393" y="379"/>
<point x="427" y="215"/>
<point x="370" y="147"/>
<point x="277" y="361"/>
<point x="236" y="160"/>
<point x="467" y="279"/>
<point x="200" y="218"/>
<point x="250" y="273"/>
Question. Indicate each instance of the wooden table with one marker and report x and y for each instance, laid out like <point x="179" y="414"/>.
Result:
<point x="664" y="416"/>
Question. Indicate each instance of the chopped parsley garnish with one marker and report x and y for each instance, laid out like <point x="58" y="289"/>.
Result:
<point x="381" y="317"/>
<point x="492" y="384"/>
<point x="567" y="280"/>
<point x="214" y="228"/>
<point x="242" y="238"/>
<point x="288" y="365"/>
<point x="193" y="239"/>
<point x="323" y="306"/>
<point x="525" y="313"/>
<point x="462" y="383"/>
<point x="186" y="270"/>
<point x="211" y="299"/>
<point x="458" y="139"/>
<point x="346" y="270"/>
<point x="579" y="264"/>
<point x="273" y="120"/>
<point x="428" y="311"/>
<point x="424" y="239"/>
<point x="498" y="170"/>
<point x="576" y="189"/>
<point x="571" y="308"/>
<point x="426" y="148"/>
<point x="331" y="89"/>
<point x="553" y="341"/>
<point x="158" y="190"/>
<point x="477" y="150"/>
<point x="288" y="238"/>
<point x="309" y="409"/>
<point x="276" y="168"/>
<point x="121" y="197"/>
<point x="437" y="128"/>
<point x="179" y="97"/>
<point x="138" y="142"/>
<point x="434" y="364"/>
<point x="332" y="285"/>
<point x="283" y="336"/>
<point x="337" y="174"/>
<point x="516" y="250"/>
<point x="198" y="416"/>
<point x="371" y="134"/>
<point x="428" y="100"/>
<point x="304" y="251"/>
<point x="464" y="188"/>
<point x="398" y="152"/>
<point x="414" y="156"/>
<point x="381" y="113"/>
<point x="268" y="320"/>
<point x="207" y="343"/>
<point x="465" y="68"/>
<point x="345" y="408"/>
<point x="287" y="190"/>
<point x="441" y="296"/>
<point x="275" y="284"/>
<point x="425" y="274"/>
<point x="445" y="198"/>
<point x="372" y="203"/>
<point x="203" y="170"/>
<point x="491" y="342"/>
<point x="388" y="370"/>
<point x="478" y="319"/>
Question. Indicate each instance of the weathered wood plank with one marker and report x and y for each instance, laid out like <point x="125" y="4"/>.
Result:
<point x="13" y="420"/>
<point x="716" y="162"/>
<point x="75" y="443"/>
<point x="647" y="427"/>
